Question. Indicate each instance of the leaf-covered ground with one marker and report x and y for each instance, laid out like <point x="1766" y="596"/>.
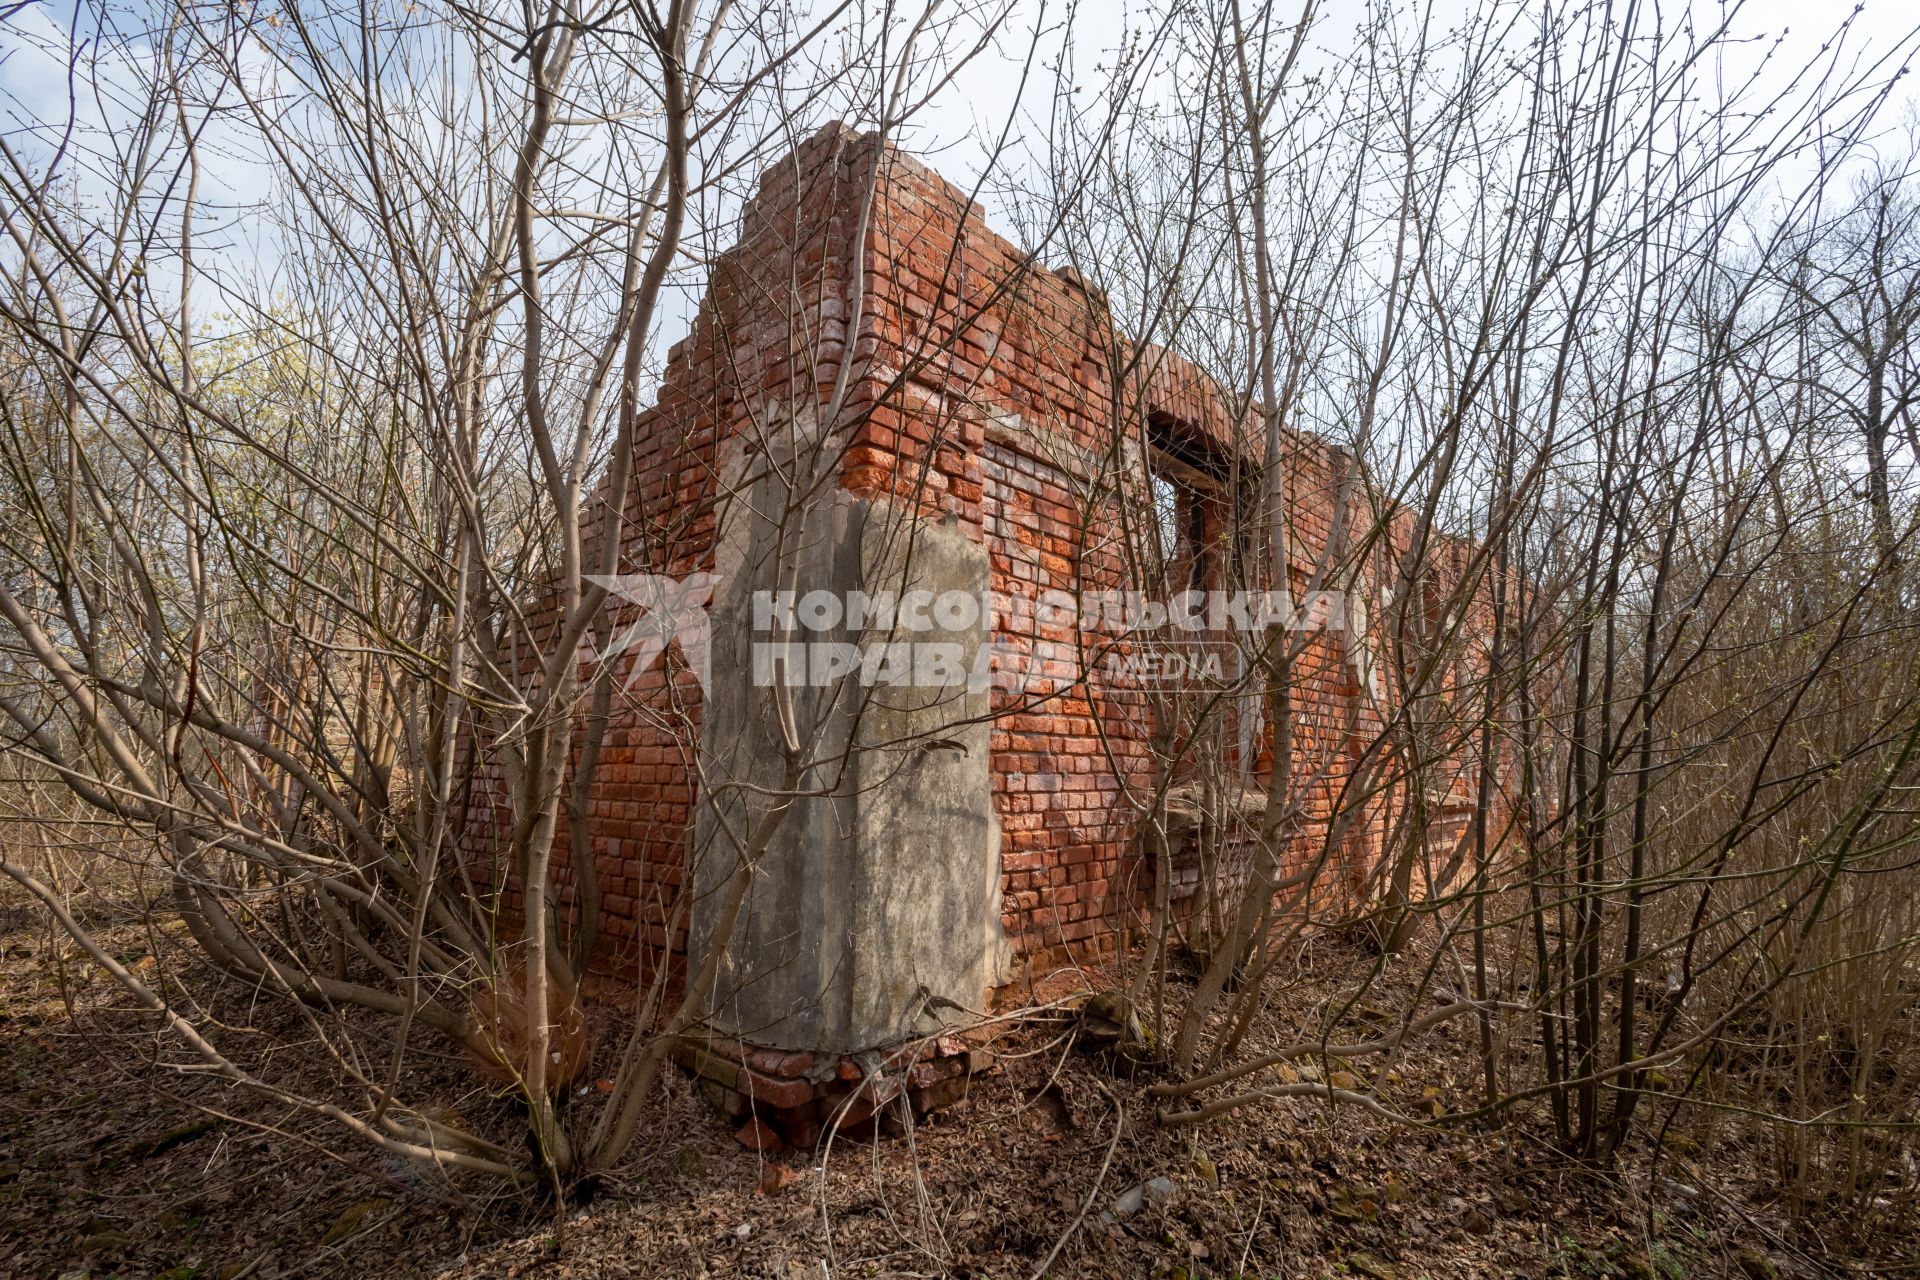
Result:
<point x="111" y="1164"/>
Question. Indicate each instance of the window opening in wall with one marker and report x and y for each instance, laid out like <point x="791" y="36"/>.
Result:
<point x="1195" y="543"/>
<point x="1166" y="514"/>
<point x="1186" y="488"/>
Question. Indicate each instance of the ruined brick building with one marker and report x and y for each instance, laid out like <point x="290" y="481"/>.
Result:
<point x="882" y="395"/>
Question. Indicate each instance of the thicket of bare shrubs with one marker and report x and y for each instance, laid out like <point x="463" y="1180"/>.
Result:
<point x="267" y="545"/>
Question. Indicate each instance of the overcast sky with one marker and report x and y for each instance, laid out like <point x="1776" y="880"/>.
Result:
<point x="977" y="105"/>
<point x="977" y="102"/>
<point x="954" y="134"/>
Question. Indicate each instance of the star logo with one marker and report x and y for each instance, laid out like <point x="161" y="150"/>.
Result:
<point x="672" y="611"/>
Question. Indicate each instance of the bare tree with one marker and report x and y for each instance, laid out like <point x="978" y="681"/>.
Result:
<point x="1857" y="274"/>
<point x="306" y="575"/>
<point x="1526" y="337"/>
<point x="1560" y="316"/>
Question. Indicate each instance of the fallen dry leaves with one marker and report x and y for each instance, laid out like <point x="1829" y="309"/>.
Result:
<point x="101" y="1176"/>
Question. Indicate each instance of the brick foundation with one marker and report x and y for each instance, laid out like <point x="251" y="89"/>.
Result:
<point x="799" y="1096"/>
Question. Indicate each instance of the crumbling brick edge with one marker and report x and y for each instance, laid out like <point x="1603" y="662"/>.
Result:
<point x="778" y="1098"/>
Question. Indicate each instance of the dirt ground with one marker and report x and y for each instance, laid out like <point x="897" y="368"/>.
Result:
<point x="113" y="1163"/>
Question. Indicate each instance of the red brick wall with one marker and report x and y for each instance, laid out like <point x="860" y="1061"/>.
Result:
<point x="991" y="392"/>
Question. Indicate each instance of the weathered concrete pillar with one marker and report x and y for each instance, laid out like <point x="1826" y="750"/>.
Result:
<point x="874" y="909"/>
